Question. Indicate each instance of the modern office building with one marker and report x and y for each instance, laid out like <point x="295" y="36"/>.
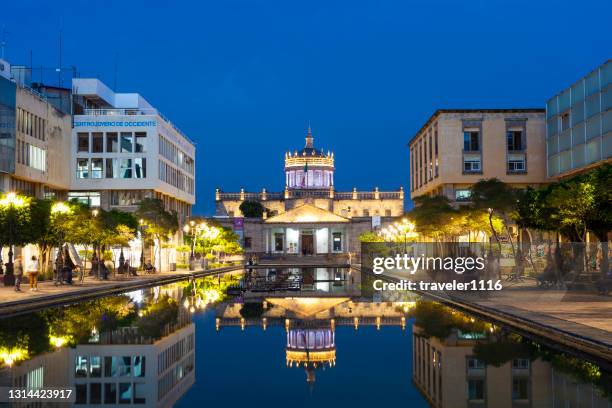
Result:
<point x="309" y="217"/>
<point x="455" y="148"/>
<point x="579" y="124"/>
<point x="34" y="140"/>
<point x="125" y="150"/>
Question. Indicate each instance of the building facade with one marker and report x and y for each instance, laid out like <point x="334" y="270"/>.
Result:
<point x="34" y="141"/>
<point x="309" y="217"/>
<point x="125" y="150"/>
<point x="456" y="148"/>
<point x="579" y="124"/>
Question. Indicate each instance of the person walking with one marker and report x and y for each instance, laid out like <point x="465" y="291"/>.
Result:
<point x="18" y="272"/>
<point x="33" y="273"/>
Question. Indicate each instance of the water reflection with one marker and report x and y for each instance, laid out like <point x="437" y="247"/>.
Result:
<point x="139" y="348"/>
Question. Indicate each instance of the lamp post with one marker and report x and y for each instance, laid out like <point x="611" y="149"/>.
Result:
<point x="58" y="211"/>
<point x="11" y="202"/>
<point x="141" y="224"/>
<point x="191" y="227"/>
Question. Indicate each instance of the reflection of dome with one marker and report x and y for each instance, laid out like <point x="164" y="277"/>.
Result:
<point x="309" y="168"/>
<point x="311" y="348"/>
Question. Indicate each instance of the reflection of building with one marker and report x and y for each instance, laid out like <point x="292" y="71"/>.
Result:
<point x="124" y="150"/>
<point x="311" y="348"/>
<point x="579" y="124"/>
<point x="309" y="217"/>
<point x="449" y="375"/>
<point x="456" y="148"/>
<point x="154" y="375"/>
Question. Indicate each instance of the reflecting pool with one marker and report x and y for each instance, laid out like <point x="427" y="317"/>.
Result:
<point x="232" y="340"/>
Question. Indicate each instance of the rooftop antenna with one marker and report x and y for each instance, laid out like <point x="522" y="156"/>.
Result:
<point x="3" y="34"/>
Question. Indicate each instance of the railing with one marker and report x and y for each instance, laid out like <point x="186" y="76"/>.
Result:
<point x="345" y="195"/>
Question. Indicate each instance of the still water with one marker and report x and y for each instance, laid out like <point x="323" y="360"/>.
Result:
<point x="256" y="338"/>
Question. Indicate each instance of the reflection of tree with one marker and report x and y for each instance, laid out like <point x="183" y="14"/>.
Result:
<point x="156" y="317"/>
<point x="210" y="289"/>
<point x="439" y="321"/>
<point x="503" y="348"/>
<point x="252" y="310"/>
<point x="23" y="336"/>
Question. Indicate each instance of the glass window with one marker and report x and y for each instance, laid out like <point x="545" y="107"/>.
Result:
<point x="592" y="105"/>
<point x="140" y="167"/>
<point x="80" y="367"/>
<point x="139" y="393"/>
<point x="520" y="363"/>
<point x="577" y="113"/>
<point x="95" y="393"/>
<point x="476" y="390"/>
<point x="578" y="92"/>
<point x="470" y="141"/>
<point x="112" y="169"/>
<point x="83" y="142"/>
<point x="125" y="393"/>
<point x="279" y="241"/>
<point x="337" y="241"/>
<point x="565" y="121"/>
<point x="82" y="168"/>
<point x="97" y="142"/>
<point x="592" y="150"/>
<point x="516" y="165"/>
<point x="126" y="142"/>
<point x="593" y="127"/>
<point x="125" y="168"/>
<point x="520" y="389"/>
<point x="139" y="366"/>
<point x="462" y="195"/>
<point x="514" y="140"/>
<point x="141" y="139"/>
<point x="125" y="366"/>
<point x="81" y="394"/>
<point x="475" y="364"/>
<point x="111" y="366"/>
<point x="591" y="83"/>
<point x="96" y="168"/>
<point x="471" y="165"/>
<point x="110" y="393"/>
<point x="95" y="367"/>
<point x="112" y="142"/>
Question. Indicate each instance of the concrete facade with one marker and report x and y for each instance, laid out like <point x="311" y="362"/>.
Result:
<point x="456" y="148"/>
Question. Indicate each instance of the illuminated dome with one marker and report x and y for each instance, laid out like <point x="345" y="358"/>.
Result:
<point x="309" y="168"/>
<point x="311" y="348"/>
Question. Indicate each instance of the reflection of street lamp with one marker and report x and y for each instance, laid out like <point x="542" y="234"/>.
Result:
<point x="11" y="202"/>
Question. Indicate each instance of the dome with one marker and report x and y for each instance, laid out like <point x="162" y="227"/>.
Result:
<point x="309" y="168"/>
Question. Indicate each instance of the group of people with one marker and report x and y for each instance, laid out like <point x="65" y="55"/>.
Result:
<point x="32" y="271"/>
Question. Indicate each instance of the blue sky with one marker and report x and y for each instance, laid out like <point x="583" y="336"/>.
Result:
<point x="243" y="78"/>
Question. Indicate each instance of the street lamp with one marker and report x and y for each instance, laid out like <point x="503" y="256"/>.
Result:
<point x="11" y="202"/>
<point x="141" y="224"/>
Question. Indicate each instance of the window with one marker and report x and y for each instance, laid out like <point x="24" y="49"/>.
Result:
<point x="337" y="241"/>
<point x="248" y="242"/>
<point x="125" y="366"/>
<point x="82" y="168"/>
<point x="139" y="393"/>
<point x="112" y="142"/>
<point x="125" y="168"/>
<point x="278" y="241"/>
<point x="95" y="367"/>
<point x="520" y="389"/>
<point x="81" y="394"/>
<point x="125" y="393"/>
<point x="476" y="390"/>
<point x="97" y="142"/>
<point x="366" y="213"/>
<point x="515" y="140"/>
<point x="96" y="168"/>
<point x="126" y="142"/>
<point x="112" y="168"/>
<point x="387" y="213"/>
<point x="83" y="142"/>
<point x="471" y="141"/>
<point x="475" y="364"/>
<point x="111" y="366"/>
<point x="471" y="165"/>
<point x="141" y="138"/>
<point x="110" y="393"/>
<point x="520" y="363"/>
<point x="139" y="366"/>
<point x="90" y="198"/>
<point x="516" y="165"/>
<point x="462" y="195"/>
<point x="565" y="121"/>
<point x="80" y="367"/>
<point x="126" y="197"/>
<point x="95" y="393"/>
<point x="140" y="167"/>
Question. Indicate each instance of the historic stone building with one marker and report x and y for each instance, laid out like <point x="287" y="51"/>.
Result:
<point x="309" y="217"/>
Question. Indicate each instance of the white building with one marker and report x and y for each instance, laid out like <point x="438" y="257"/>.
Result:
<point x="125" y="150"/>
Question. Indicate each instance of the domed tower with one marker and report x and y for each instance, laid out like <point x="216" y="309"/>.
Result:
<point x="309" y="168"/>
<point x="311" y="348"/>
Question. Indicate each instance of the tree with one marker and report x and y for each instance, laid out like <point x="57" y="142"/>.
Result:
<point x="433" y="215"/>
<point x="158" y="223"/>
<point x="252" y="209"/>
<point x="599" y="220"/>
<point x="15" y="216"/>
